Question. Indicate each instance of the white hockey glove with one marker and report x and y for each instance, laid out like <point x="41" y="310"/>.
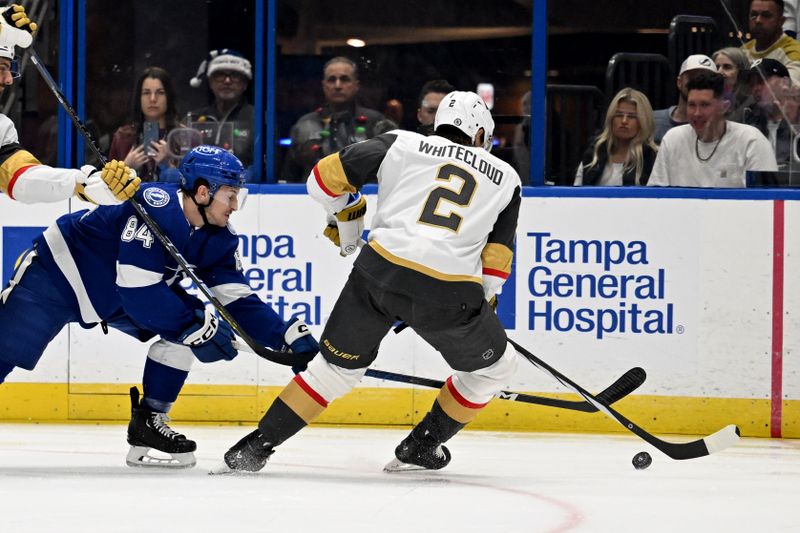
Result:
<point x="112" y="185"/>
<point x="345" y="227"/>
<point x="18" y="26"/>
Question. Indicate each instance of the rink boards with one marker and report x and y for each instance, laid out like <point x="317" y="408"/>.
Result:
<point x="697" y="290"/>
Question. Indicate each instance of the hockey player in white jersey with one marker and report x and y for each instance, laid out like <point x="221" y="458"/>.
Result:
<point x="23" y="177"/>
<point x="106" y="267"/>
<point x="439" y="248"/>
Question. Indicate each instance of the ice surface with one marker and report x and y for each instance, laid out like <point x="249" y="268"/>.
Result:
<point x="73" y="478"/>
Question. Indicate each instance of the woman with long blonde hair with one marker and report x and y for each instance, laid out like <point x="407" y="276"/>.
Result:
<point x="624" y="153"/>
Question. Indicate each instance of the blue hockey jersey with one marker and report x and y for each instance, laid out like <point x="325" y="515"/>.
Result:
<point x="111" y="265"/>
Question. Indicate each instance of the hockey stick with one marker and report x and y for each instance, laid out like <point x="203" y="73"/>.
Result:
<point x="282" y="358"/>
<point x="626" y="384"/>
<point x="713" y="443"/>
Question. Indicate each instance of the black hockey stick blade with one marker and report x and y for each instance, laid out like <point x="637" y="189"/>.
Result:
<point x="626" y="384"/>
<point x="713" y="443"/>
<point x="629" y="379"/>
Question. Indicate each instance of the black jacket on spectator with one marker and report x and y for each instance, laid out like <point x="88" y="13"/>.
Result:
<point x="591" y="175"/>
<point x="783" y="145"/>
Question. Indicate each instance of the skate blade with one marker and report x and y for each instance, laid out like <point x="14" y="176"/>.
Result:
<point x="396" y="465"/>
<point x="139" y="456"/>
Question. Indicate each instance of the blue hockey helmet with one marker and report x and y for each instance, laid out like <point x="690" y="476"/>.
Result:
<point x="215" y="166"/>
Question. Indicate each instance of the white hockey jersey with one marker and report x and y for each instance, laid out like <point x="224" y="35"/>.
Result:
<point x="446" y="210"/>
<point x="25" y="178"/>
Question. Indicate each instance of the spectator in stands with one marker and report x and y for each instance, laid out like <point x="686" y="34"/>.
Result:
<point x="676" y="115"/>
<point x="710" y="151"/>
<point x="338" y="123"/>
<point x="790" y="103"/>
<point x="428" y="102"/>
<point x="733" y="64"/>
<point x="792" y="17"/>
<point x="769" y="81"/>
<point x="624" y="152"/>
<point x="229" y="117"/>
<point x="153" y="100"/>
<point x="766" y="26"/>
<point x="522" y="142"/>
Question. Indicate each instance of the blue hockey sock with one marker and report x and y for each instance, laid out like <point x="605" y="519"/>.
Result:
<point x="5" y="370"/>
<point x="162" y="384"/>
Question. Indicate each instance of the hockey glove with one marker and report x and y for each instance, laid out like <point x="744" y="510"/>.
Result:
<point x="349" y="225"/>
<point x="110" y="186"/>
<point x="19" y="27"/>
<point x="209" y="338"/>
<point x="298" y="340"/>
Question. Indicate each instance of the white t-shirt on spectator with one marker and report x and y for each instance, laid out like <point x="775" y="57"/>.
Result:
<point x="611" y="177"/>
<point x="792" y="14"/>
<point x="740" y="149"/>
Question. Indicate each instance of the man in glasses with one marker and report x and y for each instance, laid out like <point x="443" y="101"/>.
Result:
<point x="228" y="119"/>
<point x="338" y="123"/>
<point x="428" y="101"/>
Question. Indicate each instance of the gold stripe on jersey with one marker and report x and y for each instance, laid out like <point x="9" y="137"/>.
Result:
<point x="10" y="167"/>
<point x="497" y="257"/>
<point x="422" y="269"/>
<point x="302" y="403"/>
<point x="331" y="176"/>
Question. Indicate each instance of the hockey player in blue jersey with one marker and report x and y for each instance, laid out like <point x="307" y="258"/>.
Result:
<point x="106" y="267"/>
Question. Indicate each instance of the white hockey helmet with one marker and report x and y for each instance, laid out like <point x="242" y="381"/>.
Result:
<point x="468" y="112"/>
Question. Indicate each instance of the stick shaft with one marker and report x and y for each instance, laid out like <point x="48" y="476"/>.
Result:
<point x="277" y="357"/>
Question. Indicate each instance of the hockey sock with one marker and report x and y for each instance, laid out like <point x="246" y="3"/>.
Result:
<point x="296" y="407"/>
<point x="162" y="384"/>
<point x="5" y="370"/>
<point x="455" y="406"/>
<point x="437" y="426"/>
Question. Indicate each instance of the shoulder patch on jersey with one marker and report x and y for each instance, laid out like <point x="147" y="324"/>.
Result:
<point x="156" y="197"/>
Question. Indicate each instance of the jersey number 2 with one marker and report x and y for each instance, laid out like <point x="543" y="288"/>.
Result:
<point x="133" y="231"/>
<point x="461" y="197"/>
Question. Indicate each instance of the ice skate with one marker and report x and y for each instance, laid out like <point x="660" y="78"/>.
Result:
<point x="416" y="453"/>
<point x="148" y="432"/>
<point x="248" y="455"/>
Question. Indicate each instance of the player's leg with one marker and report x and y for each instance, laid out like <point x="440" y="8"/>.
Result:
<point x="473" y="342"/>
<point x="165" y="372"/>
<point x="348" y="345"/>
<point x="32" y="313"/>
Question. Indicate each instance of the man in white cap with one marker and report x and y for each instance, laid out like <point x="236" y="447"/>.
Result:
<point x="229" y="74"/>
<point x="23" y="177"/>
<point x="676" y="115"/>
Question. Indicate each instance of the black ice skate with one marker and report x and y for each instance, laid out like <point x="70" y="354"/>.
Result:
<point x="248" y="455"/>
<point x="147" y="431"/>
<point x="419" y="452"/>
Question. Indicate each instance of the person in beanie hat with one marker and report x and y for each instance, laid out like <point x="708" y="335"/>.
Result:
<point x="228" y="74"/>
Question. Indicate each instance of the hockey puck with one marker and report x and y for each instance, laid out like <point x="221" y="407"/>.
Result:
<point x="642" y="460"/>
